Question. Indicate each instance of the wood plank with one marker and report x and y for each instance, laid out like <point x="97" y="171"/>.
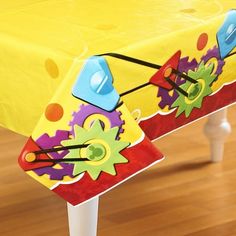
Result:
<point x="185" y="194"/>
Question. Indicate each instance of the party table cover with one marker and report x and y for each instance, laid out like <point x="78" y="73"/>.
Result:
<point x="94" y="83"/>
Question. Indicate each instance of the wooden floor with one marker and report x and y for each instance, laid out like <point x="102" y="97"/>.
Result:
<point x="183" y="195"/>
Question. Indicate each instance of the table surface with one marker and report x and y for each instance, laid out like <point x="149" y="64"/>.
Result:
<point x="40" y="39"/>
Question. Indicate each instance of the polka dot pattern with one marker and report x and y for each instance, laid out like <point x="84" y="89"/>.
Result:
<point x="202" y="41"/>
<point x="54" y="112"/>
<point x="188" y="10"/>
<point x="168" y="72"/>
<point x="52" y="68"/>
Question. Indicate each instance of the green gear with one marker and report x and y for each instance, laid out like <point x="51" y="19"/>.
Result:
<point x="103" y="150"/>
<point x="196" y="92"/>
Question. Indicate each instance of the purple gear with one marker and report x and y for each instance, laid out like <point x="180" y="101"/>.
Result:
<point x="184" y="66"/>
<point x="47" y="142"/>
<point x="85" y="111"/>
<point x="214" y="53"/>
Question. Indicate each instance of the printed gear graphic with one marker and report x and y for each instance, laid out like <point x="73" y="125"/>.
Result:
<point x="196" y="92"/>
<point x="103" y="151"/>
<point x="213" y="56"/>
<point x="184" y="66"/>
<point x="47" y="142"/>
<point x="87" y="114"/>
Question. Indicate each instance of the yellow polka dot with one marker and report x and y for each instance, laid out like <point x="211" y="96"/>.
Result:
<point x="52" y="68"/>
<point x="188" y="10"/>
<point x="30" y="157"/>
<point x="168" y="72"/>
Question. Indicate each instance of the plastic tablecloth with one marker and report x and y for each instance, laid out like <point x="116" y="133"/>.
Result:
<point x="45" y="47"/>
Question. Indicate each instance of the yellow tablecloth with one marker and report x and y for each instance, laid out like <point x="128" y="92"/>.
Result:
<point x="40" y="39"/>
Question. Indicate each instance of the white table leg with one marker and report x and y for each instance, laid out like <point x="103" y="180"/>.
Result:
<point x="217" y="129"/>
<point x="83" y="218"/>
